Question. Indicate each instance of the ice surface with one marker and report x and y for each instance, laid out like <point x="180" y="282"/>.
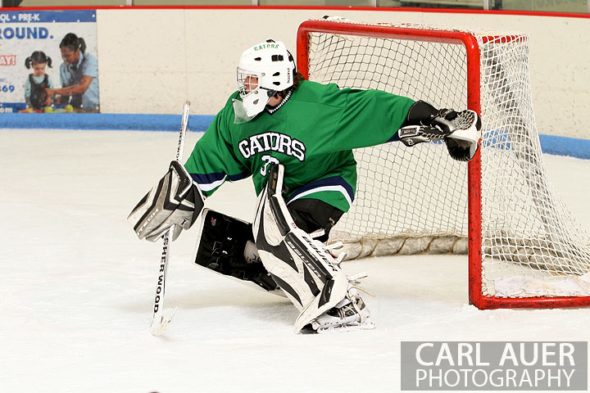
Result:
<point x="77" y="287"/>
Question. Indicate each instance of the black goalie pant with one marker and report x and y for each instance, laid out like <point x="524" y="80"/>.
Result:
<point x="313" y="214"/>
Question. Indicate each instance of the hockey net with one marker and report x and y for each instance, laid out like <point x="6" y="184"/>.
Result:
<point x="525" y="249"/>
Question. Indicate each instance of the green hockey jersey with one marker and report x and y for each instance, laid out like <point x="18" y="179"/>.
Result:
<point x="312" y="135"/>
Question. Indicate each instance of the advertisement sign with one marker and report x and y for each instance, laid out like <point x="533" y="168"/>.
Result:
<point x="36" y="74"/>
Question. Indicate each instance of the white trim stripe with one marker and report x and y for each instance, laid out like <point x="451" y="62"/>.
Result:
<point x="211" y="186"/>
<point x="339" y="189"/>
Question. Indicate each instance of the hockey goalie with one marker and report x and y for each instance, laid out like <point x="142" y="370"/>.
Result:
<point x="295" y="138"/>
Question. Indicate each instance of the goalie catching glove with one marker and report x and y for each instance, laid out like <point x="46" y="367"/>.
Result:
<point x="461" y="131"/>
<point x="174" y="202"/>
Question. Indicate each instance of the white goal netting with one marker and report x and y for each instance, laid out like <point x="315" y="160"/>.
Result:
<point x="414" y="200"/>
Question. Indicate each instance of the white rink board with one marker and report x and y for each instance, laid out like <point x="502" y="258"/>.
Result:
<point x="78" y="287"/>
<point x="150" y="61"/>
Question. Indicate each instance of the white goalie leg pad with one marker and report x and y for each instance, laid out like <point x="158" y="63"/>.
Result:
<point x="301" y="266"/>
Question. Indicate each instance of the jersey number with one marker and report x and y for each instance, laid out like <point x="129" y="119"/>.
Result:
<point x="267" y="160"/>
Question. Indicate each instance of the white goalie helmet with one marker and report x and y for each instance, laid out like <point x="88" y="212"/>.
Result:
<point x="263" y="70"/>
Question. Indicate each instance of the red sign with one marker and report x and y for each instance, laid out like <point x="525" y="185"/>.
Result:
<point x="7" y="60"/>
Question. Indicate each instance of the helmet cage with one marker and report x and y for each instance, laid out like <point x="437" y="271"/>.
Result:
<point x="249" y="81"/>
<point x="263" y="70"/>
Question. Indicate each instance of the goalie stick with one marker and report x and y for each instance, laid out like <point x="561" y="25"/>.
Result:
<point x="161" y="318"/>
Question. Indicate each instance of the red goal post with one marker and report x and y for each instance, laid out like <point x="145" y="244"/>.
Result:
<point x="473" y="64"/>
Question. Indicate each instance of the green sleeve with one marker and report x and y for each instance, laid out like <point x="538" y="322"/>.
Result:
<point x="213" y="161"/>
<point x="368" y="118"/>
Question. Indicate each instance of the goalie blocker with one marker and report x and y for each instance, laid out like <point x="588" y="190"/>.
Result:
<point x="175" y="202"/>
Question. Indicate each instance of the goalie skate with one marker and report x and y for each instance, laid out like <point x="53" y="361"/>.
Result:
<point x="350" y="314"/>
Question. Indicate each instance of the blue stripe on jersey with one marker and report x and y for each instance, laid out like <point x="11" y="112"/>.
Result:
<point x="207" y="178"/>
<point x="208" y="182"/>
<point x="333" y="181"/>
<point x="239" y="176"/>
